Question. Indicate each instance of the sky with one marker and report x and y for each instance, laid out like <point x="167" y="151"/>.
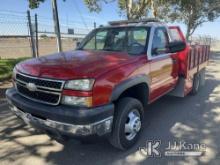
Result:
<point x="75" y="13"/>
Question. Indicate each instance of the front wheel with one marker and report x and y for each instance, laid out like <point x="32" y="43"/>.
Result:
<point x="128" y="121"/>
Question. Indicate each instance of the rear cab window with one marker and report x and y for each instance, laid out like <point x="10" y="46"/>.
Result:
<point x="176" y="34"/>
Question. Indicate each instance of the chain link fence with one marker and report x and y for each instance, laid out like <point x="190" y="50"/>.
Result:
<point x="203" y="40"/>
<point x="15" y="38"/>
<point x="71" y="32"/>
<point x="215" y="46"/>
<point x="206" y="40"/>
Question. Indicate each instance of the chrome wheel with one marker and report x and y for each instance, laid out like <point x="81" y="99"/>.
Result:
<point x="133" y="124"/>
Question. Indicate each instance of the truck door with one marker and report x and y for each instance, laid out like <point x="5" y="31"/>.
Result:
<point x="163" y="65"/>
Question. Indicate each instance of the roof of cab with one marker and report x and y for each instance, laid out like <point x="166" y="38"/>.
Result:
<point x="144" y="22"/>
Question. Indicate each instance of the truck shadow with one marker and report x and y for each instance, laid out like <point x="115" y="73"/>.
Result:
<point x="16" y="138"/>
<point x="4" y="85"/>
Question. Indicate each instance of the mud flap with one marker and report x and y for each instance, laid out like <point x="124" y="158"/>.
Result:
<point x="178" y="91"/>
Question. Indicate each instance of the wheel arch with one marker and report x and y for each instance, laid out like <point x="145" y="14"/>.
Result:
<point x="137" y="87"/>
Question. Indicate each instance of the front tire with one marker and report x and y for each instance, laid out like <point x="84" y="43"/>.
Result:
<point x="128" y="121"/>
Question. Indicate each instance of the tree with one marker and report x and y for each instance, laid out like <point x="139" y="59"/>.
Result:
<point x="192" y="13"/>
<point x="34" y="3"/>
<point x="133" y="9"/>
<point x="96" y="5"/>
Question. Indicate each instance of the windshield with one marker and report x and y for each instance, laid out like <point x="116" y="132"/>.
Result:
<point x="131" y="40"/>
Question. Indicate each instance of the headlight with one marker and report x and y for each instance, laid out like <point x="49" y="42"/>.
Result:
<point x="83" y="84"/>
<point x="77" y="101"/>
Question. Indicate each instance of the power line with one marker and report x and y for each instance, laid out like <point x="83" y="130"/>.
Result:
<point x="77" y="8"/>
<point x="15" y="22"/>
<point x="62" y="20"/>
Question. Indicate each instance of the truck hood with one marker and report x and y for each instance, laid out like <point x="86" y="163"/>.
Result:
<point x="74" y="64"/>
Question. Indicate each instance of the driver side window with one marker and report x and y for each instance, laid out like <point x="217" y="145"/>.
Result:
<point x="137" y="40"/>
<point x="160" y="42"/>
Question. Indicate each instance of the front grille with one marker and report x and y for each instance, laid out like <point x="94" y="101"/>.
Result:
<point x="50" y="84"/>
<point x="37" y="95"/>
<point x="47" y="91"/>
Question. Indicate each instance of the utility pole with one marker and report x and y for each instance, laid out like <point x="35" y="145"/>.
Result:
<point x="56" y="25"/>
<point x="36" y="36"/>
<point x="94" y="25"/>
<point x="95" y="36"/>
<point x="31" y="34"/>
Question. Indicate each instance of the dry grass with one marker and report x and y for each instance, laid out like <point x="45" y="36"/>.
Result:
<point x="6" y="67"/>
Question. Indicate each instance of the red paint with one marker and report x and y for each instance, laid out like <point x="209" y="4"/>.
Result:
<point x="111" y="68"/>
<point x="74" y="64"/>
<point x="68" y="92"/>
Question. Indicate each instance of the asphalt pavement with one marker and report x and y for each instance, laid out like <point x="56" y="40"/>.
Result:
<point x="193" y="120"/>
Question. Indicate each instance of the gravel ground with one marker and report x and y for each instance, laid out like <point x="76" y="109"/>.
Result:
<point x="193" y="119"/>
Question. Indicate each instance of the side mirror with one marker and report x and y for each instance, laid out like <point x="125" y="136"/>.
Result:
<point x="176" y="46"/>
<point x="158" y="51"/>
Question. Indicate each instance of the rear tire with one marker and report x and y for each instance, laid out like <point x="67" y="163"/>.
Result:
<point x="196" y="84"/>
<point x="127" y="125"/>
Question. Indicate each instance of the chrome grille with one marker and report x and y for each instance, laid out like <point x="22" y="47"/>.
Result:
<point x="47" y="91"/>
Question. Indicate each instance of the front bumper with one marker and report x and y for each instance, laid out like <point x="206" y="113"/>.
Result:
<point x="63" y="120"/>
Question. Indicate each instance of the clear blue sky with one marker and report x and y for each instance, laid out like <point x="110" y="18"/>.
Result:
<point x="69" y="14"/>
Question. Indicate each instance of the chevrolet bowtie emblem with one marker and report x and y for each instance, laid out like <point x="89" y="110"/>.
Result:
<point x="31" y="87"/>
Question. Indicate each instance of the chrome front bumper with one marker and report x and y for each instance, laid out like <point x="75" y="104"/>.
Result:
<point x="100" y="127"/>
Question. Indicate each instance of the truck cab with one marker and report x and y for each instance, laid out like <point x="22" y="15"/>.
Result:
<point x="104" y="86"/>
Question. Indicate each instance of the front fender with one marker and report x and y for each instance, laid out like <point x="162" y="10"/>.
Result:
<point x="126" y="84"/>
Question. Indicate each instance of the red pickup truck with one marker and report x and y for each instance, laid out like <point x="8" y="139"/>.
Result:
<point x="103" y="87"/>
